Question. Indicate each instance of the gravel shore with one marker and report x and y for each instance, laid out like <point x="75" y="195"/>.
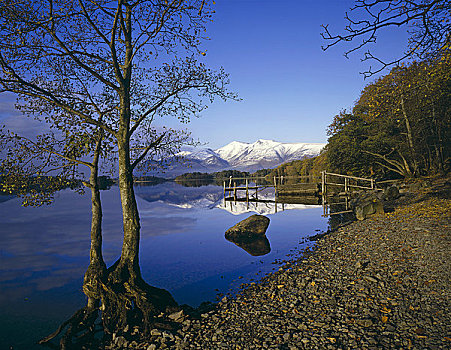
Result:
<point x="381" y="283"/>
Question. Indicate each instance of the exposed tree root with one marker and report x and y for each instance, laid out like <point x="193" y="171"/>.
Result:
<point x="129" y="300"/>
<point x="81" y="321"/>
<point x="125" y="300"/>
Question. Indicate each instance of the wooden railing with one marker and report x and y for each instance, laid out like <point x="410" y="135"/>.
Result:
<point x="338" y="185"/>
<point x="330" y="179"/>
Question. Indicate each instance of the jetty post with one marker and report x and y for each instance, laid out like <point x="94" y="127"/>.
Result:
<point x="247" y="190"/>
<point x="275" y="186"/>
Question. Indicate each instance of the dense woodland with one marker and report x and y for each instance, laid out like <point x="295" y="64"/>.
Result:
<point x="400" y="127"/>
<point x="197" y="179"/>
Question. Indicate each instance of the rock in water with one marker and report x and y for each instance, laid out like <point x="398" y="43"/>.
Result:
<point x="249" y="229"/>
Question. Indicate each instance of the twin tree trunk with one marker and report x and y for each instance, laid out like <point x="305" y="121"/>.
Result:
<point x="128" y="299"/>
<point x="83" y="321"/>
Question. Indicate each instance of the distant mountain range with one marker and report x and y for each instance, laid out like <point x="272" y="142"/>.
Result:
<point x="242" y="156"/>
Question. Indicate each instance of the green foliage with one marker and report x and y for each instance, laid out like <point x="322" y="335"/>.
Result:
<point x="225" y="174"/>
<point x="197" y="179"/>
<point x="194" y="176"/>
<point x="291" y="171"/>
<point x="344" y="153"/>
<point x="37" y="190"/>
<point x="400" y="126"/>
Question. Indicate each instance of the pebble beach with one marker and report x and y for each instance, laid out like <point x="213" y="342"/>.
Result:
<point x="380" y="283"/>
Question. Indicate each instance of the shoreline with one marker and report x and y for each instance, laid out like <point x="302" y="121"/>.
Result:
<point x="381" y="283"/>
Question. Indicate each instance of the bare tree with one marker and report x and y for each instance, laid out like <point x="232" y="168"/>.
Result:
<point x="428" y="23"/>
<point x="113" y="65"/>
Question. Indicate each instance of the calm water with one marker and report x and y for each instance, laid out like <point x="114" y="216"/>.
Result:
<point x="45" y="251"/>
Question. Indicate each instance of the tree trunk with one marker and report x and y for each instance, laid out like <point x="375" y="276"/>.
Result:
<point x="409" y="136"/>
<point x="438" y="143"/>
<point x="130" y="247"/>
<point x="83" y="321"/>
<point x="129" y="300"/>
<point x="96" y="272"/>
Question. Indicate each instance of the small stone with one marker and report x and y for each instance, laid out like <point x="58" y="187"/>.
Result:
<point x="365" y="323"/>
<point x="155" y="332"/>
<point x="370" y="279"/>
<point x="121" y="342"/>
<point x="177" y="316"/>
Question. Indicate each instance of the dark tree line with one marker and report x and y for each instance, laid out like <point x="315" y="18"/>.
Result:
<point x="400" y="126"/>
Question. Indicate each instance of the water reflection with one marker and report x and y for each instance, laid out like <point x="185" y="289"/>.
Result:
<point x="256" y="247"/>
<point x="47" y="247"/>
<point x="44" y="252"/>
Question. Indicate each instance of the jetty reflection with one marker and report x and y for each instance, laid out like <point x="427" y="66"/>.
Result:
<point x="267" y="206"/>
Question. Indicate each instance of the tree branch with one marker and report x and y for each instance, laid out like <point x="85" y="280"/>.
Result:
<point x="147" y="149"/>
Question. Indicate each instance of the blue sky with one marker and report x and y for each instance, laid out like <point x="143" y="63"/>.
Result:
<point x="290" y="88"/>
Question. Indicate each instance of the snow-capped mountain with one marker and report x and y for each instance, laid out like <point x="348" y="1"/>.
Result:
<point x="243" y="156"/>
<point x="205" y="158"/>
<point x="266" y="153"/>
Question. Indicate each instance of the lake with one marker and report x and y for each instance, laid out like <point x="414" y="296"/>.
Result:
<point x="44" y="251"/>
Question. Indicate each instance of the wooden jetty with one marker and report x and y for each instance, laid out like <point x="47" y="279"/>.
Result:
<point x="330" y="190"/>
<point x="282" y="187"/>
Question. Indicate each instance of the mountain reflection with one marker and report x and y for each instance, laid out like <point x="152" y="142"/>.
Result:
<point x="48" y="247"/>
<point x="211" y="197"/>
<point x="181" y="196"/>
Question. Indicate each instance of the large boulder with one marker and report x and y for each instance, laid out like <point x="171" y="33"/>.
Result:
<point x="367" y="208"/>
<point x="249" y="229"/>
<point x="391" y="193"/>
<point x="367" y="204"/>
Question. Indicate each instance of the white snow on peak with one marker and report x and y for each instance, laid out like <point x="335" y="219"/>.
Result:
<point x="247" y="156"/>
<point x="233" y="148"/>
<point x="266" y="153"/>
